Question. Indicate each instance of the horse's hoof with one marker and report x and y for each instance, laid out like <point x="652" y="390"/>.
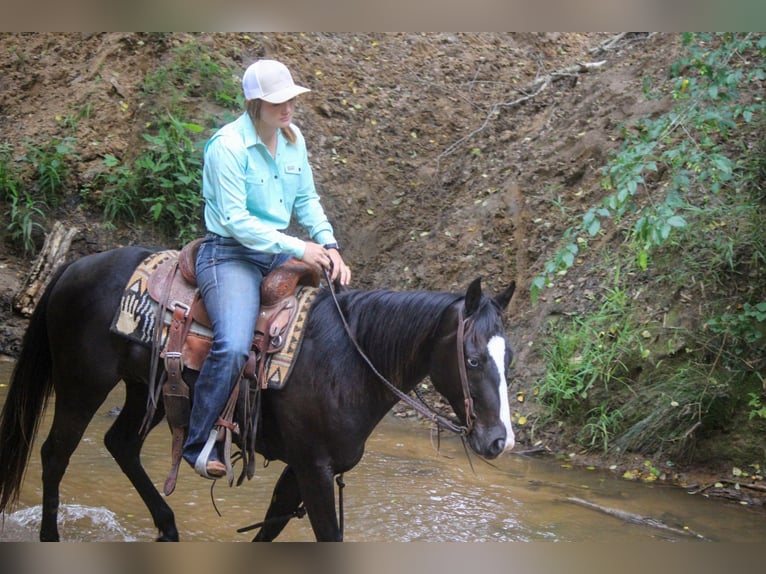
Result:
<point x="166" y="538"/>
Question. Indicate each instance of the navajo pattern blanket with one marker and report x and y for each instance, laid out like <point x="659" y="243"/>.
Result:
<point x="136" y="319"/>
<point x="137" y="313"/>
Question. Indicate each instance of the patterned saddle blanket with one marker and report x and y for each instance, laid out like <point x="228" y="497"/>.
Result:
<point x="278" y="335"/>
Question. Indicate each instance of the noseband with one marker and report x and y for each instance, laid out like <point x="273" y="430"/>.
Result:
<point x="431" y="415"/>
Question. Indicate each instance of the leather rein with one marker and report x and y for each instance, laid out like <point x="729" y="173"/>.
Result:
<point x="424" y="410"/>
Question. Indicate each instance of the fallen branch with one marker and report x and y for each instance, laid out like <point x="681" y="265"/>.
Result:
<point x="757" y="487"/>
<point x="614" y="41"/>
<point x="548" y="79"/>
<point x="636" y="518"/>
<point x="530" y="91"/>
<point x="54" y="252"/>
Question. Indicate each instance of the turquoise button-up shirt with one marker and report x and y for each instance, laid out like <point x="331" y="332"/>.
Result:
<point x="251" y="196"/>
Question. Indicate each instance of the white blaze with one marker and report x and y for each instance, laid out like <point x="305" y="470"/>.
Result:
<point x="496" y="348"/>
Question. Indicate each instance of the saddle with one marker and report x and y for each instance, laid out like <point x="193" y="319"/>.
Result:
<point x="173" y="286"/>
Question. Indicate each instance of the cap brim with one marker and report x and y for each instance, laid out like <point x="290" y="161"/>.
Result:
<point x="285" y="94"/>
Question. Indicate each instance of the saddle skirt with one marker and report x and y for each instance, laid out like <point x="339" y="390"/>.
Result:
<point x="164" y="280"/>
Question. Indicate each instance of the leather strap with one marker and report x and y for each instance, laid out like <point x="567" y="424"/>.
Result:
<point x="155" y="388"/>
<point x="178" y="437"/>
<point x="175" y="391"/>
<point x="229" y="428"/>
<point x="175" y="385"/>
<point x="467" y="399"/>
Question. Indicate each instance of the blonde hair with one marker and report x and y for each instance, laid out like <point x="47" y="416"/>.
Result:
<point x="253" y="108"/>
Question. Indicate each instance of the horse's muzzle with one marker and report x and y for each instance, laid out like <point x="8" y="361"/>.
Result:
<point x="493" y="445"/>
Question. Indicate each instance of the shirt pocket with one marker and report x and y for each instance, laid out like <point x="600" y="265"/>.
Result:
<point x="292" y="169"/>
<point x="257" y="193"/>
<point x="255" y="181"/>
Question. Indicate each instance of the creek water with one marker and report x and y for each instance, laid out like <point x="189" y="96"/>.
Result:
<point x="404" y="489"/>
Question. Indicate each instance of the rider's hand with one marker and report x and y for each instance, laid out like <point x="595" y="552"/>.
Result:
<point x="340" y="271"/>
<point x="320" y="258"/>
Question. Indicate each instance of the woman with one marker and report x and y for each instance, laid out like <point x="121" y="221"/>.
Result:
<point x="256" y="175"/>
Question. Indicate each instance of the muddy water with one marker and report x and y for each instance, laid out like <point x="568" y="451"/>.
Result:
<point x="403" y="490"/>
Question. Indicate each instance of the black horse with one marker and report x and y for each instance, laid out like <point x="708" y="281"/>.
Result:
<point x="317" y="424"/>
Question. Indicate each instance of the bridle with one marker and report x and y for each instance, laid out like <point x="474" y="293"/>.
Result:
<point x="470" y="415"/>
<point x="423" y="409"/>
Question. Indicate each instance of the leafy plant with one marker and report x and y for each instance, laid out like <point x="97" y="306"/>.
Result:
<point x="591" y="353"/>
<point x="170" y="173"/>
<point x="23" y="211"/>
<point x="757" y="408"/>
<point x="10" y="181"/>
<point x="70" y="122"/>
<point x="51" y="164"/>
<point x="117" y="190"/>
<point x="601" y="424"/>
<point x="665" y="414"/>
<point x="163" y="182"/>
<point x="746" y="326"/>
<point x="195" y="72"/>
<point x="688" y="144"/>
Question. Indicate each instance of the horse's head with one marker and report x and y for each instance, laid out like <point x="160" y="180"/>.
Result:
<point x="469" y="368"/>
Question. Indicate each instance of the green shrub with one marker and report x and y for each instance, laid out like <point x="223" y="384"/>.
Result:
<point x="23" y="211"/>
<point x="162" y="184"/>
<point x="590" y="360"/>
<point x="51" y="164"/>
<point x="689" y="145"/>
<point x="193" y="72"/>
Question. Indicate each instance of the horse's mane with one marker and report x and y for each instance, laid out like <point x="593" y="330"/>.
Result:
<point x="390" y="325"/>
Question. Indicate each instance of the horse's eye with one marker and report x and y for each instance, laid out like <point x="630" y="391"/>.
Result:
<point x="472" y="362"/>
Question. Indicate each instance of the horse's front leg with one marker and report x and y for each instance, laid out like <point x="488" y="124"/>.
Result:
<point x="318" y="491"/>
<point x="284" y="505"/>
<point x="124" y="444"/>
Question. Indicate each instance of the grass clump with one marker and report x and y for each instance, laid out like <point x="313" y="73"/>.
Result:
<point x="679" y="359"/>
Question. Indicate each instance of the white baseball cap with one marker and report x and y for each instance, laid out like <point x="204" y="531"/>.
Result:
<point x="271" y="81"/>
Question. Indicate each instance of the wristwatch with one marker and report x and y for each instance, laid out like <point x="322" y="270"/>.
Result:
<point x="332" y="246"/>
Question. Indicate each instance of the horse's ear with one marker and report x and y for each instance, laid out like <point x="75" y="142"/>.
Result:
<point x="473" y="297"/>
<point x="505" y="297"/>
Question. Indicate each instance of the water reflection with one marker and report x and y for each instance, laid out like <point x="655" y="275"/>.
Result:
<point x="403" y="490"/>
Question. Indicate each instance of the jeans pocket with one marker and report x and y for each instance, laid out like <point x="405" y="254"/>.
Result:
<point x="207" y="254"/>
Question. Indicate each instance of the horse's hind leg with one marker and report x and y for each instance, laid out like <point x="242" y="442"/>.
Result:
<point x="72" y="416"/>
<point x="285" y="502"/>
<point x="124" y="443"/>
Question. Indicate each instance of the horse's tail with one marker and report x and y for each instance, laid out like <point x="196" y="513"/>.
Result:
<point x="28" y="394"/>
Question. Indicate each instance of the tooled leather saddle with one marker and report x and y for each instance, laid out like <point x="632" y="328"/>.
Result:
<point x="173" y="286"/>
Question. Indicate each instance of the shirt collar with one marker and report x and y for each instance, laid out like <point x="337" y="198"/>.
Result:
<point x="249" y="135"/>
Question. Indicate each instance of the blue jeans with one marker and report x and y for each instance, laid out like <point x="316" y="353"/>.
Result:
<point x="229" y="276"/>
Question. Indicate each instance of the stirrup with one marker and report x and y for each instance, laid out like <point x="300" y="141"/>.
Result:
<point x="200" y="465"/>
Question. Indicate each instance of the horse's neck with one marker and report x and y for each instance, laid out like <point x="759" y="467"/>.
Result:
<point x="406" y="346"/>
